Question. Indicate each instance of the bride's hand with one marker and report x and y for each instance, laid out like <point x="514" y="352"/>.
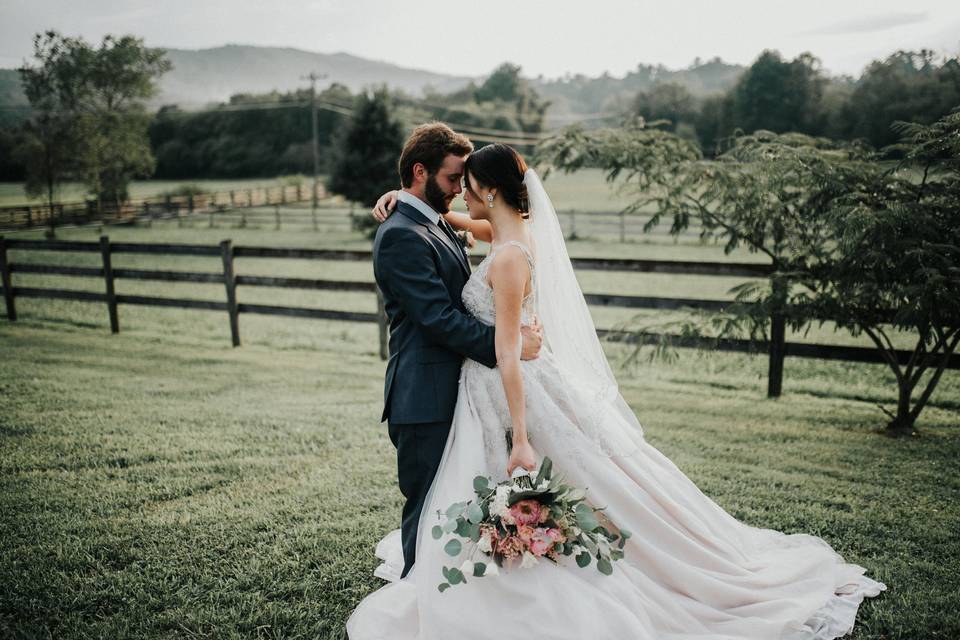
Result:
<point x="385" y="205"/>
<point x="522" y="455"/>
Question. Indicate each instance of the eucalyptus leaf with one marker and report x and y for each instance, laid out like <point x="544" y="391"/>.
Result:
<point x="443" y="586"/>
<point x="604" y="566"/>
<point x="453" y="548"/>
<point x="456" y="509"/>
<point x="583" y="559"/>
<point x="586" y="518"/>
<point x="479" y="569"/>
<point x="481" y="484"/>
<point x="474" y="513"/>
<point x="436" y="532"/>
<point x="456" y="576"/>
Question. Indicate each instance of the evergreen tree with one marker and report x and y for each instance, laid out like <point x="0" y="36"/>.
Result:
<point x="365" y="157"/>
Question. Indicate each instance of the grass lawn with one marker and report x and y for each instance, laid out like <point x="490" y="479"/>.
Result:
<point x="159" y="483"/>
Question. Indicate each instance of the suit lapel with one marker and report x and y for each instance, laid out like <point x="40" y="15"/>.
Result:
<point x="416" y="216"/>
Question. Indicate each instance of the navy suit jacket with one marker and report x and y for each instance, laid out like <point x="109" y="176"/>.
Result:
<point x="421" y="273"/>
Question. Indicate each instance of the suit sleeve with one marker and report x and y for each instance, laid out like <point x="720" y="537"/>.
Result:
<point x="406" y="266"/>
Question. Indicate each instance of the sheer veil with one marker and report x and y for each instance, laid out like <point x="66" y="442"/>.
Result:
<point x="570" y="334"/>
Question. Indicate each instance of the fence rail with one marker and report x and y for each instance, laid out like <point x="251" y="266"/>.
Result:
<point x="777" y="348"/>
<point x="157" y="207"/>
<point x="245" y="206"/>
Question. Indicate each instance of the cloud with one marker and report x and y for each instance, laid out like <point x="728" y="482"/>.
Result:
<point x="869" y="24"/>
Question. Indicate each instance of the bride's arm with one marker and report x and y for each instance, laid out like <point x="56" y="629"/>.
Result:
<point x="479" y="228"/>
<point x="508" y="276"/>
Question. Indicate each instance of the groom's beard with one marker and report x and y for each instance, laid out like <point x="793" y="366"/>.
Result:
<point x="435" y="196"/>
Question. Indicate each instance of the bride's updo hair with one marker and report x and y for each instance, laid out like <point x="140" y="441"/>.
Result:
<point x="499" y="166"/>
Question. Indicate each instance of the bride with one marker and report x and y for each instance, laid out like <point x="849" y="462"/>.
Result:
<point x="690" y="571"/>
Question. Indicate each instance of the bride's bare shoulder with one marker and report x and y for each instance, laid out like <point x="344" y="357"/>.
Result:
<point x="509" y="268"/>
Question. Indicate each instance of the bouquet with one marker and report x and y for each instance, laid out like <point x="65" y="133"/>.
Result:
<point x="522" y="521"/>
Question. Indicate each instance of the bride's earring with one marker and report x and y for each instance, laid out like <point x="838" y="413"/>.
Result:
<point x="490" y="200"/>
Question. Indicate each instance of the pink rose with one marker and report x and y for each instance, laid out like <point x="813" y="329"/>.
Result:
<point x="541" y="542"/>
<point x="526" y="512"/>
<point x="555" y="535"/>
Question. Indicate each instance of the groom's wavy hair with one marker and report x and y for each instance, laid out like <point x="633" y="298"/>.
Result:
<point x="430" y="144"/>
<point x="499" y="166"/>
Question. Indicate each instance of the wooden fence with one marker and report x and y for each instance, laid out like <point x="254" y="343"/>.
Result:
<point x="149" y="209"/>
<point x="777" y="348"/>
<point x="239" y="207"/>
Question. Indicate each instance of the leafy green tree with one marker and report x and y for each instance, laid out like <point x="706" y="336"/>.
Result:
<point x="780" y="96"/>
<point x="99" y="93"/>
<point x="851" y="241"/>
<point x="666" y="101"/>
<point x="50" y="138"/>
<point x="365" y="157"/>
<point x="909" y="86"/>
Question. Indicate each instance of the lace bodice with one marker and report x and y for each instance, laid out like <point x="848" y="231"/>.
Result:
<point x="478" y="295"/>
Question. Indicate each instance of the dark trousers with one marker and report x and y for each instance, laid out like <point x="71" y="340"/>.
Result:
<point x="419" y="450"/>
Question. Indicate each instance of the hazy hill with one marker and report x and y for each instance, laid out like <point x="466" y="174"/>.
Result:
<point x="213" y="75"/>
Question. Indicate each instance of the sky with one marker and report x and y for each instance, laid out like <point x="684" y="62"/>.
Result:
<point x="466" y="37"/>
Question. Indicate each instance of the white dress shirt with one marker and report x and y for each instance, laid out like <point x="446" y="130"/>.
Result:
<point x="419" y="205"/>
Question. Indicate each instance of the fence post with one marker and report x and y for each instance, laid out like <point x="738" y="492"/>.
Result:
<point x="230" y="281"/>
<point x="382" y="326"/>
<point x="299" y="193"/>
<point x="233" y="199"/>
<point x="108" y="278"/>
<point x="777" y="336"/>
<point x="146" y="213"/>
<point x="6" y="280"/>
<point x="283" y="195"/>
<point x="573" y="224"/>
<point x="190" y="204"/>
<point x="249" y="197"/>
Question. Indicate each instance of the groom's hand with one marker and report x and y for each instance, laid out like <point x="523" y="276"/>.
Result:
<point x="532" y="336"/>
<point x="385" y="205"/>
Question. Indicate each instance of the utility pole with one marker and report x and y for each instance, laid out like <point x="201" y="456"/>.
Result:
<point x="313" y="77"/>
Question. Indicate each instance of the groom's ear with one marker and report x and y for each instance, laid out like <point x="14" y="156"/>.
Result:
<point x="420" y="172"/>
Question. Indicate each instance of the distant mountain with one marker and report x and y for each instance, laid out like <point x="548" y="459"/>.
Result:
<point x="207" y="75"/>
<point x="583" y="95"/>
<point x="213" y="75"/>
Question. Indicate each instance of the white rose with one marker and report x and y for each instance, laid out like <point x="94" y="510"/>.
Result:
<point x="528" y="560"/>
<point x="492" y="569"/>
<point x="467" y="568"/>
<point x="499" y="505"/>
<point x="485" y="545"/>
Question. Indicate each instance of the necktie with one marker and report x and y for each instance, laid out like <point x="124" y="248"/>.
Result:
<point x="447" y="229"/>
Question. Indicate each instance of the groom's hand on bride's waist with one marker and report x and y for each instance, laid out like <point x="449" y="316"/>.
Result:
<point x="532" y="336"/>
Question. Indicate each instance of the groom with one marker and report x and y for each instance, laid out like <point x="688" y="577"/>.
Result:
<point x="421" y="268"/>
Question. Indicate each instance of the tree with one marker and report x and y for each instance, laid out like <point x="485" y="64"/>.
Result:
<point x="50" y="138"/>
<point x="780" y="96"/>
<point x="666" y="101"/>
<point x="850" y="240"/>
<point x="99" y="92"/>
<point x="365" y="157"/>
<point x="909" y="86"/>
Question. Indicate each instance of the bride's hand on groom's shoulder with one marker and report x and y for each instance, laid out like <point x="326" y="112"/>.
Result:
<point x="384" y="207"/>
<point x="532" y="336"/>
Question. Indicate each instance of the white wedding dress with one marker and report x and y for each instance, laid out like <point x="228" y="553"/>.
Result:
<point x="691" y="571"/>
